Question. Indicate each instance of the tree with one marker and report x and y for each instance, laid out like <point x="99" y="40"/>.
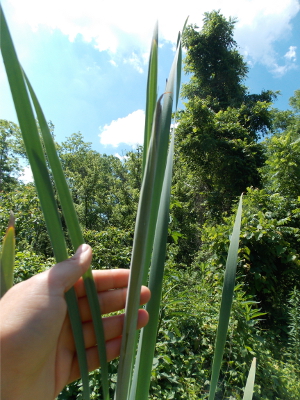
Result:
<point x="9" y="163"/>
<point x="31" y="231"/>
<point x="218" y="133"/>
<point x="282" y="170"/>
<point x="89" y="176"/>
<point x="213" y="60"/>
<point x="104" y="188"/>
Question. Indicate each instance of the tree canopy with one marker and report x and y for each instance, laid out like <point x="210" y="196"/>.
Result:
<point x="220" y="128"/>
<point x="217" y="68"/>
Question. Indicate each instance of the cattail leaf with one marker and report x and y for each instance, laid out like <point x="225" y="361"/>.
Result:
<point x="248" y="393"/>
<point x="161" y="150"/>
<point x="75" y="234"/>
<point x="226" y="302"/>
<point x="32" y="140"/>
<point x="151" y="94"/>
<point x="137" y="263"/>
<point x="7" y="257"/>
<point x="145" y="227"/>
<point x="146" y="348"/>
<point x="42" y="181"/>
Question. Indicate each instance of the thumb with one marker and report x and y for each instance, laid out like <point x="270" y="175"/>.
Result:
<point x="66" y="273"/>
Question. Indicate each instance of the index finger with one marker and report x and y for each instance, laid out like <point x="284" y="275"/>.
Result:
<point x="106" y="279"/>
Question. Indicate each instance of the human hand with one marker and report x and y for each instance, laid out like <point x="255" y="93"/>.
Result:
<point x="37" y="346"/>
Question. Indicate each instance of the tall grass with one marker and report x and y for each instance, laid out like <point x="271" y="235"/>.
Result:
<point x="19" y="86"/>
<point x="248" y="393"/>
<point x="150" y="237"/>
<point x="226" y="302"/>
<point x="7" y="257"/>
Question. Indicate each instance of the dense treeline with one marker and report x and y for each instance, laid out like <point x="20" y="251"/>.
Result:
<point x="228" y="141"/>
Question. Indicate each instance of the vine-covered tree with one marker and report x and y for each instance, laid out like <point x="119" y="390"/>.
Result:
<point x="217" y="68"/>
<point x="219" y="130"/>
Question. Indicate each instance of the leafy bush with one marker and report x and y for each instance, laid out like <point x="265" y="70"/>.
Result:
<point x="111" y="247"/>
<point x="268" y="255"/>
<point x="28" y="264"/>
<point x="31" y="232"/>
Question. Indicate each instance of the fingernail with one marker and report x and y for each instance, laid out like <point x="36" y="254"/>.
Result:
<point x="81" y="249"/>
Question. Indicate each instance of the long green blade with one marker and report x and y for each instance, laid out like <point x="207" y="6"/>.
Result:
<point x="42" y="181"/>
<point x="145" y="228"/>
<point x="151" y="99"/>
<point x="248" y="393"/>
<point x="151" y="93"/>
<point x="144" y="359"/>
<point x="7" y="257"/>
<point x="75" y="234"/>
<point x="226" y="302"/>
<point x="30" y="134"/>
<point x="162" y="149"/>
<point x="137" y="263"/>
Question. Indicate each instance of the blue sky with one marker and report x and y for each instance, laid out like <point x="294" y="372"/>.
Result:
<point x="87" y="61"/>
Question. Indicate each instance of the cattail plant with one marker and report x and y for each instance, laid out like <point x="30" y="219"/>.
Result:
<point x="7" y="257"/>
<point x="151" y="228"/>
<point x="19" y="86"/>
<point x="248" y="393"/>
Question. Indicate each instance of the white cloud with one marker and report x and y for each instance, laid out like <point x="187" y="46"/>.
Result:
<point x="135" y="61"/>
<point x="262" y="23"/>
<point x="118" y="25"/>
<point x="289" y="60"/>
<point x="291" y="54"/>
<point x="128" y="130"/>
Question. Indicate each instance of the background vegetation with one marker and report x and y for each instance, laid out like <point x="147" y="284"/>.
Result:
<point x="228" y="141"/>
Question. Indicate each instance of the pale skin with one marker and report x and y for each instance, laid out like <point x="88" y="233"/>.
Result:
<point x="37" y="348"/>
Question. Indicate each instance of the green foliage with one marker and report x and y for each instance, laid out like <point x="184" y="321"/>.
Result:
<point x="104" y="189"/>
<point x="31" y="231"/>
<point x="221" y="150"/>
<point x="217" y="67"/>
<point x="282" y="170"/>
<point x="290" y="381"/>
<point x="190" y="304"/>
<point x="269" y="250"/>
<point x="28" y="264"/>
<point x="183" y="227"/>
<point x="149" y="245"/>
<point x="10" y="144"/>
<point x="185" y="345"/>
<point x="226" y="301"/>
<point x="74" y="390"/>
<point x="87" y="172"/>
<point x="219" y="155"/>
<point x="186" y="339"/>
<point x="294" y="327"/>
<point x="218" y="131"/>
<point x="111" y="247"/>
<point x="7" y="257"/>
